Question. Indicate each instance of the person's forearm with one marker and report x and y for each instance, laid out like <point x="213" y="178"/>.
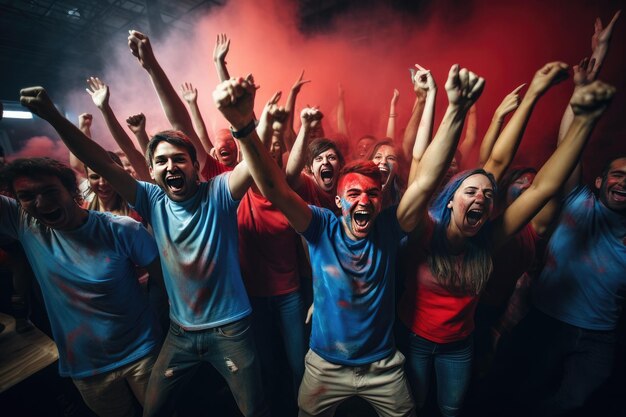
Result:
<point x="490" y="138"/>
<point x="297" y="156"/>
<point x="125" y="143"/>
<point x="222" y="71"/>
<point x="200" y="127"/>
<point x="411" y="130"/>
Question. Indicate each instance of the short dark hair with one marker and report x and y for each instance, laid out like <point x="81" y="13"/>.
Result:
<point x="607" y="166"/>
<point x="175" y="137"/>
<point x="320" y="145"/>
<point x="365" y="168"/>
<point x="38" y="167"/>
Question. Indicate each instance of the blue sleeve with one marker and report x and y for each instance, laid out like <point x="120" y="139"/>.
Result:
<point x="319" y="221"/>
<point x="138" y="244"/>
<point x="143" y="195"/>
<point x="9" y="217"/>
<point x="221" y="191"/>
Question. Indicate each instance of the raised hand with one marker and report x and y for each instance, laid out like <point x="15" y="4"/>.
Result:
<point x="463" y="87"/>
<point x="37" y="101"/>
<point x="602" y="36"/>
<point x="395" y="97"/>
<point x="84" y="121"/>
<point x="299" y="83"/>
<point x="140" y="47"/>
<point x="311" y="118"/>
<point x="136" y="123"/>
<point x="235" y="100"/>
<point x="98" y="91"/>
<point x="592" y="99"/>
<point x="188" y="92"/>
<point x="550" y="74"/>
<point x="222" y="44"/>
<point x="510" y="102"/>
<point x="423" y="80"/>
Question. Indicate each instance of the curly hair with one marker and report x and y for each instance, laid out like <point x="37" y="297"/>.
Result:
<point x="38" y="167"/>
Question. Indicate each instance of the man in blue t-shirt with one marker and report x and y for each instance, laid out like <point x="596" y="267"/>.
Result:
<point x="353" y="256"/>
<point x="84" y="262"/>
<point x="579" y="296"/>
<point x="195" y="226"/>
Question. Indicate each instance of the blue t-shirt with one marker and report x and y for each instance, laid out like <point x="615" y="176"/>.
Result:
<point x="353" y="288"/>
<point x="100" y="317"/>
<point x="584" y="279"/>
<point x="198" y="243"/>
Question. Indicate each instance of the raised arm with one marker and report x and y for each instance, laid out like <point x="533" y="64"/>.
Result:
<point x="342" y="126"/>
<point x="235" y="100"/>
<point x="137" y="124"/>
<point x="506" y="146"/>
<point x="426" y="83"/>
<point x="266" y="173"/>
<point x="93" y="155"/>
<point x="173" y="106"/>
<point x="99" y="93"/>
<point x="410" y="132"/>
<point x="290" y="105"/>
<point x="391" y="121"/>
<point x="509" y="104"/>
<point x="311" y="118"/>
<point x="588" y="104"/>
<point x="463" y="89"/>
<point x="469" y="140"/>
<point x="190" y="95"/>
<point x="222" y="44"/>
<point x="84" y="124"/>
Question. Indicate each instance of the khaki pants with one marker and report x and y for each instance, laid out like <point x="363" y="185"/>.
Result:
<point x="382" y="384"/>
<point x="111" y="393"/>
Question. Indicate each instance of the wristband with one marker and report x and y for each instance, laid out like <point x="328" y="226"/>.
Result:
<point x="243" y="132"/>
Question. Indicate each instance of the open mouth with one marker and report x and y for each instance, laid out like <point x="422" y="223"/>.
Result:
<point x="618" y="195"/>
<point x="326" y="174"/>
<point x="361" y="218"/>
<point x="52" y="217"/>
<point x="175" y="182"/>
<point x="474" y="216"/>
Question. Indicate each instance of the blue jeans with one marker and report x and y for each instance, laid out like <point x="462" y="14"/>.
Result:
<point x="453" y="370"/>
<point x="229" y="349"/>
<point x="282" y="314"/>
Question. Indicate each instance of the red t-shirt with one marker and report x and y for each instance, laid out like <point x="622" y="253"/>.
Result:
<point x="212" y="168"/>
<point x="312" y="194"/>
<point x="268" y="248"/>
<point x="428" y="309"/>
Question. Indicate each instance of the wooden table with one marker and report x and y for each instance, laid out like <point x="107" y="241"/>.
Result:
<point x="22" y="354"/>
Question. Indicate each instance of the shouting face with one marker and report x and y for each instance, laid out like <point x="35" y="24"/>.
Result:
<point x="360" y="201"/>
<point x="174" y="171"/>
<point x="471" y="205"/>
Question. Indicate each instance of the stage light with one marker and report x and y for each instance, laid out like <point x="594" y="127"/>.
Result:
<point x="17" y="114"/>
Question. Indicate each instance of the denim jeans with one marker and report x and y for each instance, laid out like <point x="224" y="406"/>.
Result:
<point x="453" y="370"/>
<point x="229" y="349"/>
<point x="111" y="394"/>
<point x="568" y="364"/>
<point x="282" y="314"/>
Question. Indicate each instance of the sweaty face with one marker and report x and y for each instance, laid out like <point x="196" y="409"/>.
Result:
<point x="471" y="205"/>
<point x="173" y="170"/>
<point x="613" y="186"/>
<point x="46" y="199"/>
<point x="226" y="149"/>
<point x="360" y="201"/>
<point x="518" y="186"/>
<point x="386" y="158"/>
<point x="325" y="169"/>
<point x="99" y="185"/>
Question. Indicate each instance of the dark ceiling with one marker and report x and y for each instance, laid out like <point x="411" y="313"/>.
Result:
<point x="39" y="38"/>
